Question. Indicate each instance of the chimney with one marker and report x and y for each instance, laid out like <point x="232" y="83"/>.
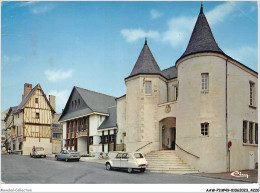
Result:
<point x="52" y="100"/>
<point x="27" y="89"/>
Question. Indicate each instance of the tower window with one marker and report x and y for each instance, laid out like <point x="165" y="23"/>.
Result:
<point x="176" y="93"/>
<point x="251" y="133"/>
<point x="205" y="81"/>
<point x="205" y="129"/>
<point x="256" y="133"/>
<point x="244" y="131"/>
<point x="252" y="93"/>
<point x="148" y="87"/>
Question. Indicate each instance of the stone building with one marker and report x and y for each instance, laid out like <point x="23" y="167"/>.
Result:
<point x="195" y="107"/>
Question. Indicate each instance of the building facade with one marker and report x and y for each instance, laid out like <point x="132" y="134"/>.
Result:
<point x="197" y="107"/>
<point x="89" y="122"/>
<point x="30" y="123"/>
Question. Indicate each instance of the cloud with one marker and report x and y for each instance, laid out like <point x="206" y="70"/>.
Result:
<point x="132" y="35"/>
<point x="41" y="8"/>
<point x="28" y="3"/>
<point x="247" y="55"/>
<point x="10" y="59"/>
<point x="55" y="76"/>
<point x="180" y="28"/>
<point x="155" y="14"/>
<point x="61" y="98"/>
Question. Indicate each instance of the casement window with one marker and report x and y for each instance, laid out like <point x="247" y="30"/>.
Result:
<point x="205" y="129"/>
<point x="36" y="100"/>
<point x="252" y="94"/>
<point x="112" y="138"/>
<point x="175" y="93"/>
<point x="244" y="131"/>
<point x="148" y="87"/>
<point x="37" y="116"/>
<point x="251" y="133"/>
<point x="90" y="140"/>
<point x="256" y="133"/>
<point x="205" y="81"/>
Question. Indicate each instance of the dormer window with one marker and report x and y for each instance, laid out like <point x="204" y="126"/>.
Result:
<point x="148" y="87"/>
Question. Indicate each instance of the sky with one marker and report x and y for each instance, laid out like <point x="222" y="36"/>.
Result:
<point x="94" y="45"/>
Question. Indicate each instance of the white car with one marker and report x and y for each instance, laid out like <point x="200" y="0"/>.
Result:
<point x="129" y="161"/>
<point x="38" y="152"/>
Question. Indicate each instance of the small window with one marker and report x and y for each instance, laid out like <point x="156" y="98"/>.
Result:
<point x="252" y="93"/>
<point x="244" y="131"/>
<point x="119" y="155"/>
<point x="112" y="138"/>
<point x="251" y="133"/>
<point x="37" y="116"/>
<point x="256" y="133"/>
<point x="36" y="100"/>
<point x="175" y="93"/>
<point x="148" y="87"/>
<point x="90" y="140"/>
<point x="205" y="129"/>
<point x="204" y="81"/>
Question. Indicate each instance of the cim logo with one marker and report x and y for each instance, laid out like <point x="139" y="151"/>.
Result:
<point x="239" y="174"/>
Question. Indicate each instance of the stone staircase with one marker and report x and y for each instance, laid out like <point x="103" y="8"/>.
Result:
<point x="167" y="161"/>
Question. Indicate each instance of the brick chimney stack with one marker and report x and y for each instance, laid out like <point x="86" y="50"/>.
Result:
<point x="52" y="100"/>
<point x="27" y="89"/>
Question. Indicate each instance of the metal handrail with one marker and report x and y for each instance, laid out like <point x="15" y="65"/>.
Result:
<point x="144" y="146"/>
<point x="187" y="151"/>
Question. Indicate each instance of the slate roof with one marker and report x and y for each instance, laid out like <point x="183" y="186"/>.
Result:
<point x="202" y="39"/>
<point x="170" y="73"/>
<point x="11" y="110"/>
<point x="145" y="63"/>
<point x="96" y="102"/>
<point x="110" y="121"/>
<point x="24" y="101"/>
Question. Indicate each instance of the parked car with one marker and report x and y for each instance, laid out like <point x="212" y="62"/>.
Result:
<point x="37" y="152"/>
<point x="129" y="161"/>
<point x="67" y="155"/>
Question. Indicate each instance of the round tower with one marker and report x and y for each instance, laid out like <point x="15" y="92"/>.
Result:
<point x="201" y="109"/>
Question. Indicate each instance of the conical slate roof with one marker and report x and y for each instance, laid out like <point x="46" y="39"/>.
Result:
<point x="145" y="63"/>
<point x="202" y="39"/>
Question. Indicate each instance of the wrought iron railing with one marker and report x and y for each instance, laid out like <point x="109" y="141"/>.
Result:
<point x="187" y="151"/>
<point x="143" y="146"/>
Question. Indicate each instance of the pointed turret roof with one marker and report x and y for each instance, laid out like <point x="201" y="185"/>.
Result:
<point x="202" y="39"/>
<point x="145" y="63"/>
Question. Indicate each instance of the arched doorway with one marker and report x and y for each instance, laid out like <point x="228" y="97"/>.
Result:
<point x="167" y="133"/>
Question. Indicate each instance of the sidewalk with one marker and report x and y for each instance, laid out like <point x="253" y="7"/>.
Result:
<point x="239" y="175"/>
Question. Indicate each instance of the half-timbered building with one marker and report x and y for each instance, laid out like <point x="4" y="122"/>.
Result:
<point x="33" y="121"/>
<point x="89" y="122"/>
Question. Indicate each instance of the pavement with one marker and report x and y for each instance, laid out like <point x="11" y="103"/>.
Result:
<point x="250" y="176"/>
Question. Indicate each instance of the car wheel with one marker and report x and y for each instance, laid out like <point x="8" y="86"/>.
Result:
<point x="108" y="166"/>
<point x="66" y="160"/>
<point x="130" y="170"/>
<point x="56" y="157"/>
<point x="30" y="155"/>
<point x="77" y="160"/>
<point x="142" y="170"/>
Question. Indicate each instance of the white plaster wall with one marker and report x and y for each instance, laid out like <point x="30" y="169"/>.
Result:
<point x="82" y="144"/>
<point x="64" y="137"/>
<point x="30" y="142"/>
<point x="121" y="119"/>
<point x="239" y="110"/>
<point x="195" y="107"/>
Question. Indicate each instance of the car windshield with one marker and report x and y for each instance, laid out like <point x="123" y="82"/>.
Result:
<point x="39" y="148"/>
<point x="72" y="151"/>
<point x="138" y="155"/>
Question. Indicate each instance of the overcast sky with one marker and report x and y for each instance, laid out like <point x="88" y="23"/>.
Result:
<point x="95" y="45"/>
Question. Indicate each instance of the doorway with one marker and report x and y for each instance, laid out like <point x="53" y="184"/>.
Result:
<point x="167" y="134"/>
